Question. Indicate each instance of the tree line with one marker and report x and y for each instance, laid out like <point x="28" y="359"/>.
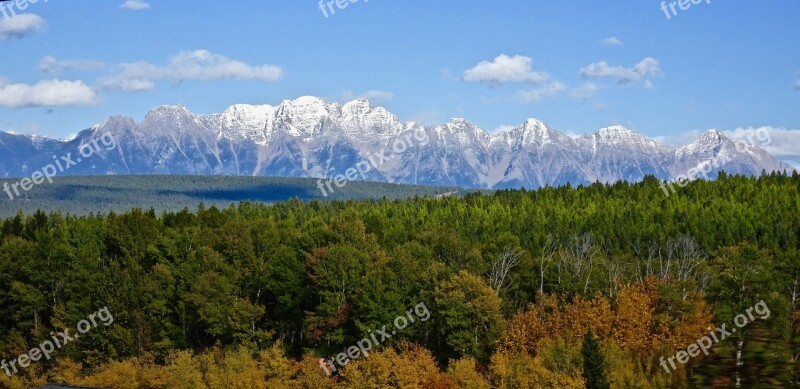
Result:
<point x="251" y="296"/>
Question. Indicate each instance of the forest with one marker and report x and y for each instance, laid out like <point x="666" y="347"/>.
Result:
<point x="84" y="195"/>
<point x="570" y="287"/>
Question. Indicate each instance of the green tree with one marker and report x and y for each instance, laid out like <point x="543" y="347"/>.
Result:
<point x="594" y="363"/>
<point x="468" y="316"/>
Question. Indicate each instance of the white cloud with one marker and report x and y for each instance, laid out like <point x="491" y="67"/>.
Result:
<point x="372" y="95"/>
<point x="796" y="85"/>
<point x="516" y="69"/>
<point x="537" y="94"/>
<point x="613" y="41"/>
<point x="782" y="143"/>
<point x="647" y="67"/>
<point x="199" y="65"/>
<point x="122" y="84"/>
<point x="135" y="5"/>
<point x="46" y="93"/>
<point x="585" y="91"/>
<point x="51" y="65"/>
<point x="20" y="26"/>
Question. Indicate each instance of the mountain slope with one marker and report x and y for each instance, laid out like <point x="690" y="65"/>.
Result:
<point x="309" y="137"/>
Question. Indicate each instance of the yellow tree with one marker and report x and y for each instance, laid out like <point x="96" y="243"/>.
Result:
<point x="463" y="373"/>
<point x="521" y="371"/>
<point x="633" y="327"/>
<point x="410" y="368"/>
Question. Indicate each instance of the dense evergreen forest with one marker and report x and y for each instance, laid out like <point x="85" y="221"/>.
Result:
<point x="557" y="287"/>
<point x="84" y="195"/>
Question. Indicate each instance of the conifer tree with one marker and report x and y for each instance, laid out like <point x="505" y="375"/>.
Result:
<point x="593" y="363"/>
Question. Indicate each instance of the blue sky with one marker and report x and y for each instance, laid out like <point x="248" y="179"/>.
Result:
<point x="578" y="65"/>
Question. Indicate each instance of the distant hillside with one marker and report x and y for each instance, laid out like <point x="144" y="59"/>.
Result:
<point x="100" y="194"/>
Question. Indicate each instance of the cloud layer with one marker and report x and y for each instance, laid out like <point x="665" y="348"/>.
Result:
<point x="519" y="69"/>
<point x="585" y="91"/>
<point x="506" y="69"/>
<point x="537" y="94"/>
<point x="46" y="93"/>
<point x="135" y="5"/>
<point x="613" y="41"/>
<point x="200" y="65"/>
<point x="51" y="65"/>
<point x="647" y="67"/>
<point x="20" y="26"/>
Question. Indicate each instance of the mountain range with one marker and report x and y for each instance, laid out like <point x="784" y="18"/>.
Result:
<point x="310" y="137"/>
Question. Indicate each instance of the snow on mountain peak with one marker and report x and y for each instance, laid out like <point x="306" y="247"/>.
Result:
<point x="247" y="109"/>
<point x="307" y="100"/>
<point x="459" y="125"/>
<point x="248" y="116"/>
<point x="618" y="135"/>
<point x="169" y="109"/>
<point x="357" y="105"/>
<point x="176" y="115"/>
<point x="464" y="132"/>
<point x="534" y="131"/>
<point x="711" y="139"/>
<point x="253" y="122"/>
<point x="303" y="116"/>
<point x="359" y="108"/>
<point x="360" y="117"/>
<point x="616" y="130"/>
<point x="535" y="124"/>
<point x="712" y="136"/>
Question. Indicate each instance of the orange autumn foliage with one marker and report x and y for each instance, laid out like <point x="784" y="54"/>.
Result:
<point x="636" y="320"/>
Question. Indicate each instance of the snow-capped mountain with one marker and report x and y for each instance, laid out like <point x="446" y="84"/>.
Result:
<point x="309" y="137"/>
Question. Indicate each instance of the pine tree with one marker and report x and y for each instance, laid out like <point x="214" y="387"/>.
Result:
<point x="593" y="363"/>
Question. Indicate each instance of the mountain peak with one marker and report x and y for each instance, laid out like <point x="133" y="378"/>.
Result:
<point x="619" y="134"/>
<point x="713" y="136"/>
<point x="169" y="108"/>
<point x="532" y="123"/>
<point x="708" y="140"/>
<point x="535" y="131"/>
<point x="162" y="112"/>
<point x="306" y="100"/>
<point x="616" y="130"/>
<point x="358" y="107"/>
<point x="247" y="116"/>
<point x="358" y="103"/>
<point x="459" y="122"/>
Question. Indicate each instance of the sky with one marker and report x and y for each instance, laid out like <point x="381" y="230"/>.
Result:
<point x="579" y="65"/>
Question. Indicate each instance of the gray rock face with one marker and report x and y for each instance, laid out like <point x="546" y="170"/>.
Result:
<point x="309" y="137"/>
